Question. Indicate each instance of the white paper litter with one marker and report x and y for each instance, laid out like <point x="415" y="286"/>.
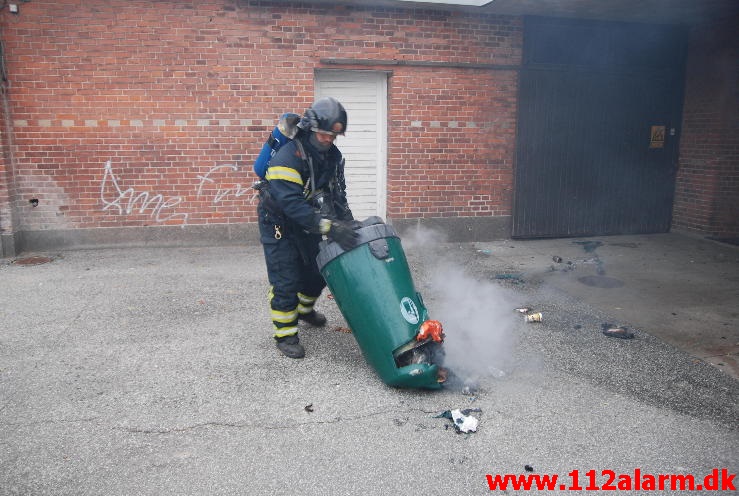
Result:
<point x="462" y="422"/>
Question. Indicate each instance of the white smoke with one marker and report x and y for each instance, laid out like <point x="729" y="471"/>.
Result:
<point x="478" y="320"/>
<point x="478" y="315"/>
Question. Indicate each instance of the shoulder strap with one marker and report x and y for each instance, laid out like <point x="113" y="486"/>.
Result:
<point x="309" y="189"/>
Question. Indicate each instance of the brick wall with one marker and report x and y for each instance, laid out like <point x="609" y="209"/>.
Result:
<point x="6" y="224"/>
<point x="707" y="189"/>
<point x="452" y="147"/>
<point x="139" y="113"/>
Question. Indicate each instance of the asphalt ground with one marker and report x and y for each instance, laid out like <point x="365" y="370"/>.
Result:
<point x="152" y="371"/>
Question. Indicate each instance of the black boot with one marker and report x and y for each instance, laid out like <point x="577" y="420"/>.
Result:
<point x="290" y="346"/>
<point x="313" y="318"/>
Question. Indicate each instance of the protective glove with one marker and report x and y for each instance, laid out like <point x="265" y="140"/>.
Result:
<point x="341" y="232"/>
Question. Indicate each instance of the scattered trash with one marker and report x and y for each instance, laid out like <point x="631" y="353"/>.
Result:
<point x="528" y="316"/>
<point x="509" y="276"/>
<point x="533" y="317"/>
<point x="561" y="267"/>
<point x="577" y="327"/>
<point x="598" y="264"/>
<point x="463" y="421"/>
<point x="485" y="252"/>
<point x="528" y="468"/>
<point x="309" y="408"/>
<point x="330" y="296"/>
<point x="345" y="330"/>
<point x="590" y="247"/>
<point x="620" y="332"/>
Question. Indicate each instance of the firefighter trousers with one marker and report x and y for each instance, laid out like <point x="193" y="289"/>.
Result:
<point x="295" y="280"/>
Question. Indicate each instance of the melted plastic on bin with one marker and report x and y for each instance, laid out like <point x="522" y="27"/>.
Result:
<point x="431" y="329"/>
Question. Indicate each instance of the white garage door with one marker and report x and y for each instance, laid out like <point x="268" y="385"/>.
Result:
<point x="364" y="95"/>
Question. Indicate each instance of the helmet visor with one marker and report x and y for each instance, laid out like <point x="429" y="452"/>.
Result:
<point x="323" y="131"/>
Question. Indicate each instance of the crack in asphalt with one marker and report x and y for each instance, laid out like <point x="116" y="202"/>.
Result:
<point x="45" y="422"/>
<point x="241" y="425"/>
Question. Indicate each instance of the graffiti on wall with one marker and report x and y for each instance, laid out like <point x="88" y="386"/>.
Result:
<point x="128" y="201"/>
<point x="164" y="208"/>
<point x="221" y="194"/>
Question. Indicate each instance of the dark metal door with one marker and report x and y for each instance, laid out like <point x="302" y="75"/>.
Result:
<point x="597" y="142"/>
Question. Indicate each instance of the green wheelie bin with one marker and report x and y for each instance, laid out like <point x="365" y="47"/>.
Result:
<point x="374" y="291"/>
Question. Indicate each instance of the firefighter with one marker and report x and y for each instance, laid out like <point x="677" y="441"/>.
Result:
<point x="304" y="199"/>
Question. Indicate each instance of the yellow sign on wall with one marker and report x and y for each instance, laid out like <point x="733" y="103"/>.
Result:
<point x="657" y="137"/>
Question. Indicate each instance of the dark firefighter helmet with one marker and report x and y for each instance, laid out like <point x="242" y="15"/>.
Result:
<point x="327" y="115"/>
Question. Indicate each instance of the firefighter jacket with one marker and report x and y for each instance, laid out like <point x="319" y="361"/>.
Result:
<point x="306" y="185"/>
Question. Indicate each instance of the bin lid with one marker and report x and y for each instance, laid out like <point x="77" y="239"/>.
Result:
<point x="372" y="228"/>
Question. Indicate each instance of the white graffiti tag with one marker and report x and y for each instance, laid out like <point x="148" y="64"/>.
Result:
<point x="221" y="193"/>
<point x="129" y="201"/>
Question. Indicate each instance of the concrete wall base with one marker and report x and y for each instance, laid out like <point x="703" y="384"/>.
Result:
<point x="7" y="245"/>
<point x="462" y="229"/>
<point x="154" y="236"/>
